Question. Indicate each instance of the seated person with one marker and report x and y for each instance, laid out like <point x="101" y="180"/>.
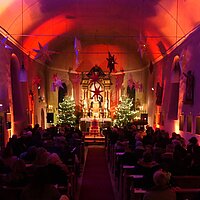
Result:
<point x="18" y="175"/>
<point x="129" y="157"/>
<point x="40" y="187"/>
<point x="161" y="190"/>
<point x="147" y="166"/>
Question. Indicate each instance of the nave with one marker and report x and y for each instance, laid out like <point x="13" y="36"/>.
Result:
<point x="96" y="183"/>
<point x="128" y="165"/>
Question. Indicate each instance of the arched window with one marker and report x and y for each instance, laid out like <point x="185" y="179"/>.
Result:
<point x="16" y="92"/>
<point x="131" y="94"/>
<point x="62" y="92"/>
<point x="174" y="95"/>
<point x="19" y="96"/>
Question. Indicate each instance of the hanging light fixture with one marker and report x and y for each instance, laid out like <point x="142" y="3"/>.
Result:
<point x="22" y="72"/>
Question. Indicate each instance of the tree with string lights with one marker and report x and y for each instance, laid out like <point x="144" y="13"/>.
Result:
<point x="66" y="112"/>
<point x="124" y="112"/>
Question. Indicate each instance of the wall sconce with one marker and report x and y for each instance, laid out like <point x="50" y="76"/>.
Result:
<point x="38" y="88"/>
<point x="41" y="99"/>
<point x="1" y="107"/>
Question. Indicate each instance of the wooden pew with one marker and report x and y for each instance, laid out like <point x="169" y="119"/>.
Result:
<point x="116" y="163"/>
<point x="181" y="193"/>
<point x="124" y="171"/>
<point x="186" y="187"/>
<point x="187" y="193"/>
<point x="10" y="193"/>
<point x="186" y="181"/>
<point x="111" y="156"/>
<point x="130" y="182"/>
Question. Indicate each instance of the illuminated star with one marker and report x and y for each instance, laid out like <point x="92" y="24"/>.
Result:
<point x="43" y="52"/>
<point x="97" y="92"/>
<point x="130" y="83"/>
<point x="111" y="62"/>
<point x="57" y="83"/>
<point x="138" y="86"/>
<point x="55" y="77"/>
<point x="94" y="77"/>
<point x="142" y="45"/>
<point x="3" y="43"/>
<point x="53" y="87"/>
<point x="77" y="49"/>
<point x="36" y="80"/>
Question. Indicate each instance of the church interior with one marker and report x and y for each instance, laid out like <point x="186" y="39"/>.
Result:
<point x="56" y="44"/>
<point x="99" y="54"/>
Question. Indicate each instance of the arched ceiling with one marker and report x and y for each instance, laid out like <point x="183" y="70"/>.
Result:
<point x="118" y="26"/>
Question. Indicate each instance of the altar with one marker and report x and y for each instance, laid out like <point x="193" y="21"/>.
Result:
<point x="86" y="125"/>
<point x="95" y="93"/>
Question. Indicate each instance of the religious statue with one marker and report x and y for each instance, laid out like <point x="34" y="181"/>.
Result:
<point x="189" y="92"/>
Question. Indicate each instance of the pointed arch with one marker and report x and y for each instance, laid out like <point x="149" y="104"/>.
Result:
<point x="19" y="96"/>
<point x="174" y="85"/>
<point x="62" y="92"/>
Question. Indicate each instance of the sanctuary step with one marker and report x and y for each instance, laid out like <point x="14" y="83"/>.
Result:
<point x="91" y="139"/>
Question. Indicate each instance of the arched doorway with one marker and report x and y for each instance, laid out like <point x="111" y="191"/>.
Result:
<point x="62" y="92"/>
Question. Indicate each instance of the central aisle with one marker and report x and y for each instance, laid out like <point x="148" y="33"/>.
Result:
<point x="96" y="183"/>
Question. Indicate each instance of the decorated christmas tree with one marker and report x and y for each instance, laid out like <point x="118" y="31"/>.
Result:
<point x="66" y="111"/>
<point x="124" y="112"/>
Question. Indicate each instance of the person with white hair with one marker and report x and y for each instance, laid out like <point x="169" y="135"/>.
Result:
<point x="162" y="189"/>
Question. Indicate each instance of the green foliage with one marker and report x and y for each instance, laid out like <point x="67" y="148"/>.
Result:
<point x="66" y="112"/>
<point x="124" y="112"/>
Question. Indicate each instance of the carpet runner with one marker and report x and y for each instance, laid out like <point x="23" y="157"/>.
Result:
<point x="96" y="184"/>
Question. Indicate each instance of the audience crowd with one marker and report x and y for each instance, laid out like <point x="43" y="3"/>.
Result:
<point x="39" y="161"/>
<point x="155" y="153"/>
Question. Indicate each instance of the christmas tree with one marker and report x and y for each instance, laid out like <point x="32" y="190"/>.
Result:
<point x="124" y="112"/>
<point x="66" y="111"/>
